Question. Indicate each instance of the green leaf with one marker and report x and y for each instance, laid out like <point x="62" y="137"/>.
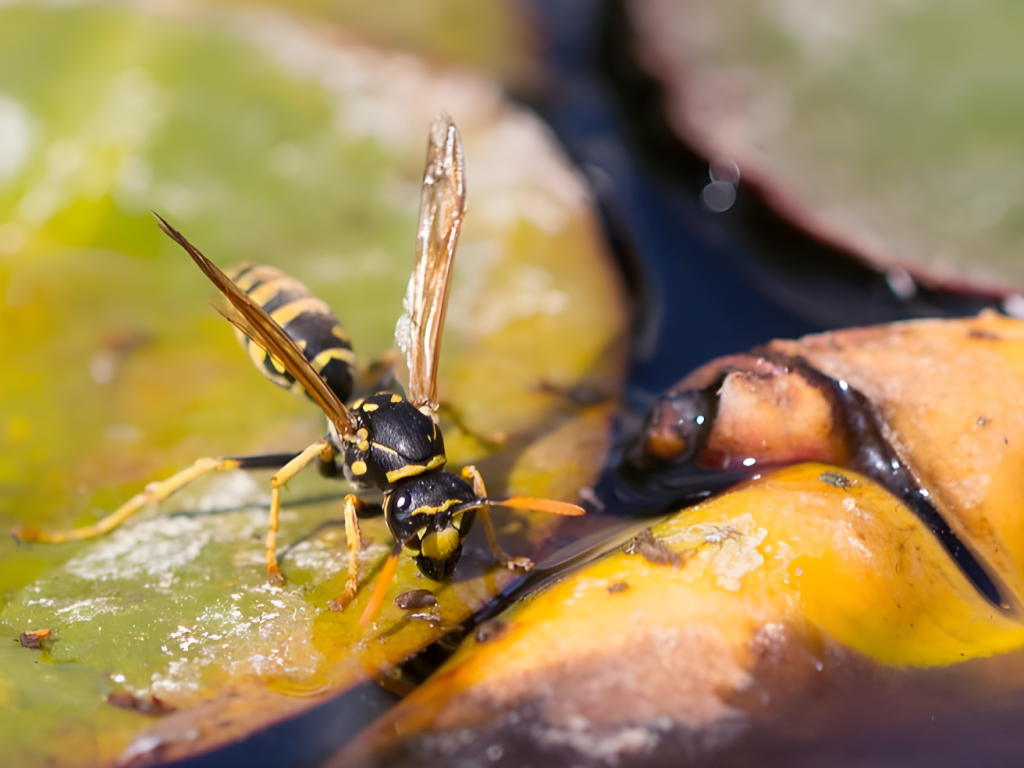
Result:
<point x="265" y="141"/>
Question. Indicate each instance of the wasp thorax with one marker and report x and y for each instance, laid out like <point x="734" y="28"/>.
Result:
<point x="393" y="441"/>
<point x="428" y="514"/>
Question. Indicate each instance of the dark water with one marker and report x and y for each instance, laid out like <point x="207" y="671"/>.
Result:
<point x="705" y="285"/>
<point x="708" y="284"/>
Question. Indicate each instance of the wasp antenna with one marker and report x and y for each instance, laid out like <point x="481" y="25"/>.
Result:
<point x="541" y="505"/>
<point x="387" y="573"/>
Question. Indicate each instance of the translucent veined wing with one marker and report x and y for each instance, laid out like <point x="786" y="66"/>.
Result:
<point x="442" y="207"/>
<point x="252" y="320"/>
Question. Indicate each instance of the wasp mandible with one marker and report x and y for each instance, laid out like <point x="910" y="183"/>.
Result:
<point x="384" y="441"/>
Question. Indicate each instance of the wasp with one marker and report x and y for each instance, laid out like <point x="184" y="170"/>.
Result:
<point x="385" y="441"/>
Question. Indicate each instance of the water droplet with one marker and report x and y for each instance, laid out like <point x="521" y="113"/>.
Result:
<point x="1013" y="305"/>
<point x="718" y="196"/>
<point x="901" y="283"/>
<point x="725" y="170"/>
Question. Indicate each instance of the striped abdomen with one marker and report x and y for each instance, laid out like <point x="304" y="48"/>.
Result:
<point x="306" y="319"/>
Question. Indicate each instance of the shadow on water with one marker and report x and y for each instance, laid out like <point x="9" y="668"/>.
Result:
<point x="704" y="285"/>
<point x="308" y="739"/>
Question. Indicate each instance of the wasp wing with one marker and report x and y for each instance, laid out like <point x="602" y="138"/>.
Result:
<point x="252" y="320"/>
<point x="442" y="207"/>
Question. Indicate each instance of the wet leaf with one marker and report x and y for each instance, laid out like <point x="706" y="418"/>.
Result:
<point x="927" y="408"/>
<point x="810" y="588"/>
<point x="885" y="127"/>
<point x="267" y="141"/>
<point x="633" y="655"/>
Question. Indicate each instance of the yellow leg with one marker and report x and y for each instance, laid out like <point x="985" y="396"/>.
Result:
<point x="355" y="545"/>
<point x="524" y="563"/>
<point x="380" y="589"/>
<point x="155" y="492"/>
<point x="320" y="448"/>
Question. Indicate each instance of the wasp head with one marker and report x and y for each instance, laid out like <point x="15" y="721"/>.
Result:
<point x="432" y="514"/>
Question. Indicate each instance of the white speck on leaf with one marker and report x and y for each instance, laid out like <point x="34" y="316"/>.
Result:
<point x="730" y="548"/>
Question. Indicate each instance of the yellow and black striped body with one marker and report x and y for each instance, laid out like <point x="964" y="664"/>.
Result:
<point x="394" y="441"/>
<point x="307" y="320"/>
<point x="431" y="515"/>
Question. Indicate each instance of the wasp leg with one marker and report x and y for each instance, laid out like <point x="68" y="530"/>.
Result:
<point x="472" y="473"/>
<point x="325" y="451"/>
<point x="355" y="545"/>
<point x="380" y="589"/>
<point x="154" y="492"/>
